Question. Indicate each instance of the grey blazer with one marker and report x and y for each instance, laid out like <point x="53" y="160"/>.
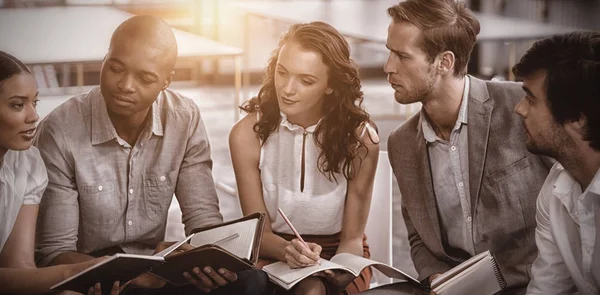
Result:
<point x="504" y="182"/>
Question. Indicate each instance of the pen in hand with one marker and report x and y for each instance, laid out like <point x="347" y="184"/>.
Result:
<point x="289" y="223"/>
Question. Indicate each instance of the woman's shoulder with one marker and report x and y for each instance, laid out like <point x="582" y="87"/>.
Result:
<point x="243" y="132"/>
<point x="29" y="160"/>
<point x="368" y="132"/>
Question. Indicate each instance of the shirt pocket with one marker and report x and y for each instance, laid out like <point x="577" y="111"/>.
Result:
<point x="158" y="193"/>
<point x="100" y="203"/>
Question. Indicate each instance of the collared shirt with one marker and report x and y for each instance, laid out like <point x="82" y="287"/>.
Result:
<point x="569" y="251"/>
<point x="449" y="164"/>
<point x="103" y="192"/>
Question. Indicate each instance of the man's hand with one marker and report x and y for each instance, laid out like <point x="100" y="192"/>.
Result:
<point x="433" y="276"/>
<point x="208" y="279"/>
<point x="97" y="289"/>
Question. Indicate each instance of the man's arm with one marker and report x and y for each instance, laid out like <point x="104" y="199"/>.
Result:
<point x="195" y="188"/>
<point x="58" y="221"/>
<point x="549" y="275"/>
<point x="425" y="262"/>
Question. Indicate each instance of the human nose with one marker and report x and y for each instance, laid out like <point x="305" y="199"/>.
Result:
<point x="520" y="108"/>
<point x="125" y="83"/>
<point x="289" y="88"/>
<point x="32" y="115"/>
<point x="390" y="65"/>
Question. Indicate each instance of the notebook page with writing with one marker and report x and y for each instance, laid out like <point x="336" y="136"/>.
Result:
<point x="240" y="246"/>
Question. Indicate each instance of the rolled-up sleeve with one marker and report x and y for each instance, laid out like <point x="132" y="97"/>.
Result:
<point x="195" y="189"/>
<point x="549" y="274"/>
<point x="58" y="220"/>
<point x="37" y="178"/>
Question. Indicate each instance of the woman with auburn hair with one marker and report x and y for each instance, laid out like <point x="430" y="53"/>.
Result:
<point x="23" y="179"/>
<point x="308" y="147"/>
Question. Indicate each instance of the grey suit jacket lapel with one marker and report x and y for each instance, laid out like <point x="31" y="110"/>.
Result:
<point x="479" y="119"/>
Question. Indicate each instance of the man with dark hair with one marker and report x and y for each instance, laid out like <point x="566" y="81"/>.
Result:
<point x="467" y="181"/>
<point x="116" y="155"/>
<point x="561" y="114"/>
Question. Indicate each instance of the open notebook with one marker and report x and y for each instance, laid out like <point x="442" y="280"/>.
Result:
<point x="478" y="275"/>
<point x="281" y="274"/>
<point x="233" y="245"/>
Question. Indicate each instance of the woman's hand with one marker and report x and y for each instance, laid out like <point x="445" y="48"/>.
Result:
<point x="298" y="255"/>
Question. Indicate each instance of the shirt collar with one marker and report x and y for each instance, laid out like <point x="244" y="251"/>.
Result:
<point x="594" y="186"/>
<point x="293" y="127"/>
<point x="567" y="190"/>
<point x="103" y="129"/>
<point x="428" y="132"/>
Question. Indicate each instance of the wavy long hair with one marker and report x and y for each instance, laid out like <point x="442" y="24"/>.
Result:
<point x="336" y="135"/>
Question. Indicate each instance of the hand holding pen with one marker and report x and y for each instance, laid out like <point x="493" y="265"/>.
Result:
<point x="299" y="253"/>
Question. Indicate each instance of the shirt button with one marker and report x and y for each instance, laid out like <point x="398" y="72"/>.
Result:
<point x="460" y="184"/>
<point x="100" y="188"/>
<point x="129" y="222"/>
<point x="469" y="219"/>
<point x="162" y="178"/>
<point x="453" y="148"/>
<point x="131" y="191"/>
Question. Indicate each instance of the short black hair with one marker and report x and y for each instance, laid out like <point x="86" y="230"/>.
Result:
<point x="572" y="64"/>
<point x="10" y="66"/>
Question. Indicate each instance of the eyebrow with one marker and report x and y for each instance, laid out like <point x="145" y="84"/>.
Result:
<point x="528" y="91"/>
<point x="23" y="97"/>
<point x="302" y="75"/>
<point x="394" y="51"/>
<point x="145" y="73"/>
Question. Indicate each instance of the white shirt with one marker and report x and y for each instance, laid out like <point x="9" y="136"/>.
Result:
<point x="569" y="254"/>
<point x="318" y="209"/>
<point x="23" y="180"/>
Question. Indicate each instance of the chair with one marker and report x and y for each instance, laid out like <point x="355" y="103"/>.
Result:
<point x="379" y="224"/>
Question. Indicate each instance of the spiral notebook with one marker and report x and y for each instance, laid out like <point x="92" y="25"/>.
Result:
<point x="478" y="275"/>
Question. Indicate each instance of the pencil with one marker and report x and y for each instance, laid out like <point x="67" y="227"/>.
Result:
<point x="289" y="223"/>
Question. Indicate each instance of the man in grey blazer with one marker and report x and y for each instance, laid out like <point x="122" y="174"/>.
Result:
<point x="467" y="181"/>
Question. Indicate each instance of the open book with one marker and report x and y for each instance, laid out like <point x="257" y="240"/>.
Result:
<point x="233" y="245"/>
<point x="478" y="275"/>
<point x="281" y="274"/>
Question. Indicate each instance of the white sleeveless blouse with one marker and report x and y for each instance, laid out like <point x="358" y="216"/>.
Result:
<point x="318" y="208"/>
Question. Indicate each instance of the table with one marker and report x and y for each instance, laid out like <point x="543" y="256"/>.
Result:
<point x="367" y="21"/>
<point x="75" y="35"/>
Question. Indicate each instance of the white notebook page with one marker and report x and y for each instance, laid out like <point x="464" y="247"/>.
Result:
<point x="240" y="246"/>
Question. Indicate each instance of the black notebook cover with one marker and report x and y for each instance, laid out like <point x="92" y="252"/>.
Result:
<point x="119" y="267"/>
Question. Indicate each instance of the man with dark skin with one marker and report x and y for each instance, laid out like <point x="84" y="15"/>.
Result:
<point x="115" y="157"/>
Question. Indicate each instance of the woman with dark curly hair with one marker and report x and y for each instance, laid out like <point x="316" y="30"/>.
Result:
<point x="308" y="147"/>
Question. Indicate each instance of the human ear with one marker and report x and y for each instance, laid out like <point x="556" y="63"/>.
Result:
<point x="168" y="80"/>
<point x="446" y="61"/>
